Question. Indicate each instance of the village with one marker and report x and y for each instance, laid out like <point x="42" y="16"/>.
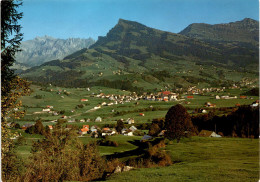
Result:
<point x="91" y="127"/>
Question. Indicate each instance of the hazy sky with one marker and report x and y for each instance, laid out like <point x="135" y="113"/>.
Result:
<point x="93" y="18"/>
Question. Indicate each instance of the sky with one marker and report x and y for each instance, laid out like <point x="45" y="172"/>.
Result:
<point x="92" y="18"/>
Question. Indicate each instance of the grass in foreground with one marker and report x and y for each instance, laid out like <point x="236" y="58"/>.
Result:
<point x="203" y="159"/>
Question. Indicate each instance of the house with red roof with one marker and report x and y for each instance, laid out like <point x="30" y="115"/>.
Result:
<point x="83" y="131"/>
<point x="85" y="126"/>
<point x="166" y="93"/>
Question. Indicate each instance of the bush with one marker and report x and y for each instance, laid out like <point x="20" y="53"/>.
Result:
<point x="20" y="140"/>
<point x="17" y="126"/>
<point x="61" y="121"/>
<point x="38" y="96"/>
<point x="112" y="164"/>
<point x="154" y="130"/>
<point x="106" y="142"/>
<point x="138" y="133"/>
<point x="80" y="106"/>
<point x="62" y="111"/>
<point x="61" y="157"/>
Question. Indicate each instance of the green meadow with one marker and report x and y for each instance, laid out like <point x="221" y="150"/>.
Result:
<point x="109" y="114"/>
<point x="194" y="159"/>
<point x="203" y="159"/>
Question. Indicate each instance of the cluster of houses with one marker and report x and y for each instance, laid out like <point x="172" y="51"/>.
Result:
<point x="95" y="131"/>
<point x="49" y="110"/>
<point x="195" y="91"/>
<point x="120" y="99"/>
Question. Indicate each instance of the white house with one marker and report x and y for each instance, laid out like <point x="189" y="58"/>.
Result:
<point x="130" y="121"/>
<point x="98" y="119"/>
<point x="93" y="128"/>
<point x="206" y="133"/>
<point x="97" y="107"/>
<point x="129" y="133"/>
<point x="133" y="128"/>
<point x="109" y="133"/>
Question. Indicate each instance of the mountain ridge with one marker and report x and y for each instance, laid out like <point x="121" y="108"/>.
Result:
<point x="43" y="49"/>
<point x="133" y="56"/>
<point x="231" y="30"/>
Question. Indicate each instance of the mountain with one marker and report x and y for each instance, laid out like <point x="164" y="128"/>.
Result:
<point x="43" y="49"/>
<point x="246" y="31"/>
<point x="134" y="57"/>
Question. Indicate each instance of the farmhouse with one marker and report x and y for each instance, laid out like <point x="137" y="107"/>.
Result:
<point x="123" y="130"/>
<point x="85" y="126"/>
<point x="237" y="105"/>
<point x="255" y="104"/>
<point x="98" y="119"/>
<point x="94" y="128"/>
<point x="27" y="125"/>
<point x="162" y="133"/>
<point x="243" y="97"/>
<point x="208" y="104"/>
<point x="108" y="131"/>
<point x="82" y="120"/>
<point x="130" y="121"/>
<point x="133" y="128"/>
<point x="97" y="107"/>
<point x="71" y="120"/>
<point x="206" y="133"/>
<point x="83" y="131"/>
<point x="146" y="137"/>
<point x="128" y="133"/>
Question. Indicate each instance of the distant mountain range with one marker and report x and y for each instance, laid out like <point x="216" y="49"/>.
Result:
<point x="43" y="49"/>
<point x="133" y="56"/>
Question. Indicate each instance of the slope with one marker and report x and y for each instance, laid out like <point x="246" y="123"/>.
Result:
<point x="133" y="56"/>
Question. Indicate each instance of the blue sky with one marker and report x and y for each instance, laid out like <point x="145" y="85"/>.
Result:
<point x="93" y="18"/>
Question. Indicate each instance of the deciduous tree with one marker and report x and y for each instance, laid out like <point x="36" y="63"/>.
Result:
<point x="177" y="122"/>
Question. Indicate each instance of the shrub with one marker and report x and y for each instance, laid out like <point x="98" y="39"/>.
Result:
<point x="17" y="126"/>
<point x="154" y="130"/>
<point x="138" y="133"/>
<point x="61" y="121"/>
<point x="61" y="157"/>
<point x="38" y="96"/>
<point x="112" y="164"/>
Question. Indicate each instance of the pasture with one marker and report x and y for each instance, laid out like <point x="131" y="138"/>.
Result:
<point x="203" y="159"/>
<point x="66" y="100"/>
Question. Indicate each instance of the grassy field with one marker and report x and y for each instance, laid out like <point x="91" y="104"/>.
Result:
<point x="203" y="159"/>
<point x="195" y="159"/>
<point x="124" y="144"/>
<point x="69" y="102"/>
